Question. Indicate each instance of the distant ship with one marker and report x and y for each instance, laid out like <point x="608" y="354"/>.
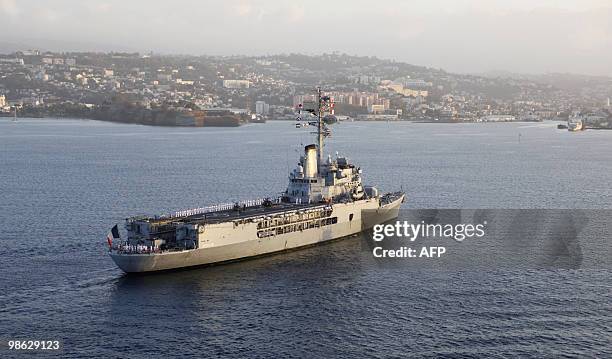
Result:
<point x="324" y="200"/>
<point x="574" y="126"/>
<point x="330" y="119"/>
<point x="257" y="118"/>
<point x="575" y="123"/>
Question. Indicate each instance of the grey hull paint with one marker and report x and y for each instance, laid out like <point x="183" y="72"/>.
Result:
<point x="239" y="247"/>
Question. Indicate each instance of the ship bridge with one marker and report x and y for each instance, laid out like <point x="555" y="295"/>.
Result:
<point x="333" y="180"/>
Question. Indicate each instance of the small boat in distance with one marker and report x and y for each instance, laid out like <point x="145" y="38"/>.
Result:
<point x="575" y="125"/>
<point x="257" y="118"/>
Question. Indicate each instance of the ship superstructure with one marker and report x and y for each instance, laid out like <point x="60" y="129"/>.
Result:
<point x="324" y="200"/>
<point x="575" y="122"/>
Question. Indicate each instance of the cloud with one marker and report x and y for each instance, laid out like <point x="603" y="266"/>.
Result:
<point x="295" y="13"/>
<point x="457" y="35"/>
<point x="102" y="7"/>
<point x="243" y="9"/>
<point x="590" y="37"/>
<point x="9" y="8"/>
<point x="49" y="15"/>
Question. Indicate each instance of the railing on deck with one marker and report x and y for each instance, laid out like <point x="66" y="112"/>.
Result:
<point x="219" y="207"/>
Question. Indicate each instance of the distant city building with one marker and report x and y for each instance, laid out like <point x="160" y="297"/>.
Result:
<point x="164" y="77"/>
<point x="30" y="52"/>
<point x="377" y="117"/>
<point x="417" y="84"/>
<point x="41" y="76"/>
<point x="262" y="108"/>
<point x="185" y="82"/>
<point x="236" y="84"/>
<point x="47" y="60"/>
<point x="32" y="101"/>
<point x="411" y="92"/>
<point x="400" y="89"/>
<point x="411" y="100"/>
<point x="365" y="79"/>
<point x="396" y="87"/>
<point x="376" y="109"/>
<point x="361" y="99"/>
<point x="108" y="73"/>
<point x="70" y="62"/>
<point x="2" y="101"/>
<point x="12" y="61"/>
<point x="301" y="99"/>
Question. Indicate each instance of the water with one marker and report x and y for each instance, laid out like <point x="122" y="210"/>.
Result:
<point x="64" y="183"/>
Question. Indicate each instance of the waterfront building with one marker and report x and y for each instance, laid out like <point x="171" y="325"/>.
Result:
<point x="376" y="109"/>
<point x="262" y="108"/>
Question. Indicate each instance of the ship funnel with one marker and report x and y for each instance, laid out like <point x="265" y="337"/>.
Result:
<point x="310" y="161"/>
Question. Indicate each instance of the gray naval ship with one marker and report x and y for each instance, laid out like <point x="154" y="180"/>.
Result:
<point x="324" y="200"/>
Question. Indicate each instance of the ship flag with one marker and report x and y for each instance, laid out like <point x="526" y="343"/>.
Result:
<point x="113" y="234"/>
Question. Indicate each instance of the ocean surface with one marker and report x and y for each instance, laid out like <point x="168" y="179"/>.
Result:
<point x="65" y="183"/>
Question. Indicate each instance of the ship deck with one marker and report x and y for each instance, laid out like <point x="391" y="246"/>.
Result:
<point x="231" y="214"/>
<point x="260" y="210"/>
<point x="248" y="212"/>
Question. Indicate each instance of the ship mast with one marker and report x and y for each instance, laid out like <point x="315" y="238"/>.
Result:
<point x="318" y="108"/>
<point x="319" y="129"/>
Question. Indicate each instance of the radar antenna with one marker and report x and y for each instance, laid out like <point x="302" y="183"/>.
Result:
<point x="322" y="105"/>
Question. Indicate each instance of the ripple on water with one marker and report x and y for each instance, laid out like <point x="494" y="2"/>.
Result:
<point x="65" y="183"/>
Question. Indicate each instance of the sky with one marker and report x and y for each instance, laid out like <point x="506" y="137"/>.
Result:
<point x="459" y="36"/>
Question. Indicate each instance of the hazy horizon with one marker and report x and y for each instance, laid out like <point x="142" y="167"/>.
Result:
<point x="458" y="36"/>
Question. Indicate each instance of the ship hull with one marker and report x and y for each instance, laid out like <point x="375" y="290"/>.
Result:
<point x="230" y="243"/>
